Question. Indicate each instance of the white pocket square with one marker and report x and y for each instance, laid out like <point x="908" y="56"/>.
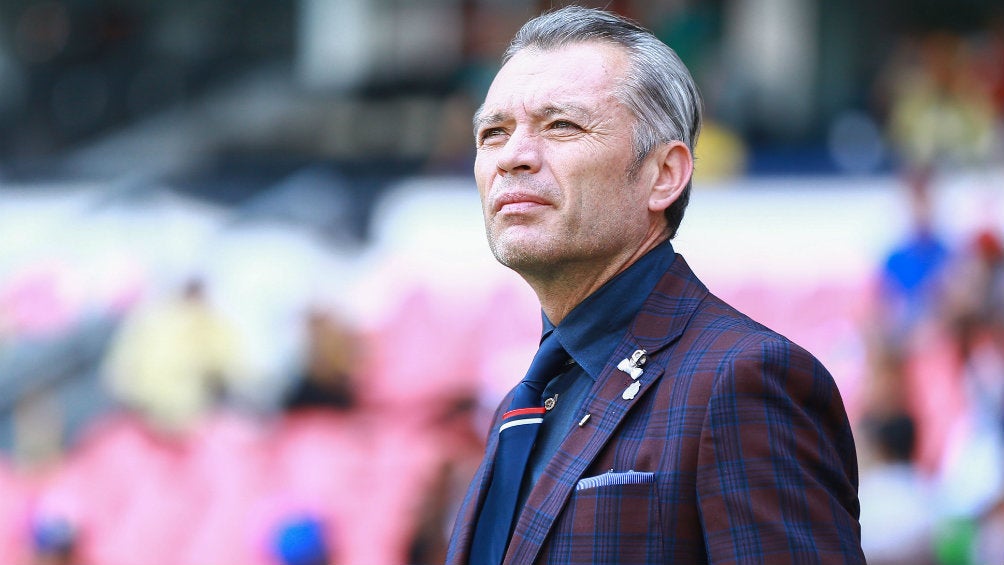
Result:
<point x="611" y="478"/>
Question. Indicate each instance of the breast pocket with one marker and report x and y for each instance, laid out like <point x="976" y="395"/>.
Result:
<point x="613" y="514"/>
<point x="612" y="479"/>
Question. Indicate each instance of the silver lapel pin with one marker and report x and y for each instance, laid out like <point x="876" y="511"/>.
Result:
<point x="632" y="366"/>
<point x="631" y="391"/>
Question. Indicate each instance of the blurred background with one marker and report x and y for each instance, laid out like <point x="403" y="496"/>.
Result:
<point x="247" y="314"/>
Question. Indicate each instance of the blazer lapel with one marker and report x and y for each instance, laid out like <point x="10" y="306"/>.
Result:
<point x="660" y="322"/>
<point x="460" y="543"/>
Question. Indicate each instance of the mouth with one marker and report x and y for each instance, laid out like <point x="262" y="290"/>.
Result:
<point x="515" y="202"/>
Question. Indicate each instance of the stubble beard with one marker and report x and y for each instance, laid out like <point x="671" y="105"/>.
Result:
<point x="519" y="256"/>
<point x="543" y="257"/>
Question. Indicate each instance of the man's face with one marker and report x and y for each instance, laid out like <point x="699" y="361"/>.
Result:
<point x="554" y="147"/>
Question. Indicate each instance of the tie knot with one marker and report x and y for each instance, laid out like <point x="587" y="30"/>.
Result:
<point x="546" y="364"/>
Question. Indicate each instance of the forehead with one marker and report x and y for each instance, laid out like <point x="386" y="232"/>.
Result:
<point x="577" y="75"/>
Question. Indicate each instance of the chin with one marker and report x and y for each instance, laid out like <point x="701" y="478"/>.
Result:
<point x="521" y="256"/>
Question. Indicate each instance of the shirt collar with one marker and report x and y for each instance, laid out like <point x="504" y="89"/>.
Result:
<point x="592" y="330"/>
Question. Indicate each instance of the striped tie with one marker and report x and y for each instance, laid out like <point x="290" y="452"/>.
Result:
<point x="516" y="436"/>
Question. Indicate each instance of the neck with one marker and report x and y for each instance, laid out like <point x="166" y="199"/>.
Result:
<point x="560" y="288"/>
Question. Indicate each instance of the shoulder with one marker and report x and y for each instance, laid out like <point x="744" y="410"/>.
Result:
<point x="761" y="372"/>
<point x="734" y="354"/>
<point x="752" y="343"/>
<point x="737" y="335"/>
<point x="703" y="336"/>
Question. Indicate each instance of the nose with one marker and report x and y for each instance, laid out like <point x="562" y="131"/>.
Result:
<point x="520" y="154"/>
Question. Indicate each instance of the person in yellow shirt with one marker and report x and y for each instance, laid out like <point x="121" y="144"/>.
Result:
<point x="171" y="361"/>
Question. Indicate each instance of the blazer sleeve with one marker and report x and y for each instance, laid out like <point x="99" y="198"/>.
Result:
<point x="777" y="469"/>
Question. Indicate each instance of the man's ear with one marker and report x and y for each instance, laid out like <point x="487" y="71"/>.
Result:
<point x="675" y="167"/>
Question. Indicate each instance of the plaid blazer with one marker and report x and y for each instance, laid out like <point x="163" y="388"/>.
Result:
<point x="736" y="449"/>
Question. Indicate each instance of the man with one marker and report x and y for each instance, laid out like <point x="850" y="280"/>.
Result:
<point x="680" y="431"/>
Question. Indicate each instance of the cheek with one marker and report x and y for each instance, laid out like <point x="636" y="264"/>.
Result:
<point x="608" y="199"/>
<point x="482" y="175"/>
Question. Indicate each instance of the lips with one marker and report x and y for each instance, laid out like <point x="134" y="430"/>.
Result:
<point x="518" y="202"/>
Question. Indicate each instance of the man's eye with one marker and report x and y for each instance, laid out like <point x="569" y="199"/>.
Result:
<point x="490" y="133"/>
<point x="563" y="124"/>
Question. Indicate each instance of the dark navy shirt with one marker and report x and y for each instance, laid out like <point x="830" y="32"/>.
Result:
<point x="590" y="333"/>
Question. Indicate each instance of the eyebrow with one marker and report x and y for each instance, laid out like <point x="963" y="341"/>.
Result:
<point x="480" y="120"/>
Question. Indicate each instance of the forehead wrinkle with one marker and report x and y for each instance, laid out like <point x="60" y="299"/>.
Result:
<point x="567" y="109"/>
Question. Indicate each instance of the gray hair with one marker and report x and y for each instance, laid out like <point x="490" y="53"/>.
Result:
<point x="658" y="89"/>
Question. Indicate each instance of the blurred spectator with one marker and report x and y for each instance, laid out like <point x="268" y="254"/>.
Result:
<point x="328" y="380"/>
<point x="885" y="392"/>
<point x="896" y="518"/>
<point x="172" y="362"/>
<point x="974" y="297"/>
<point x="941" y="112"/>
<point x="462" y="447"/>
<point x="974" y="302"/>
<point x="55" y="542"/>
<point x="301" y="541"/>
<point x="911" y="272"/>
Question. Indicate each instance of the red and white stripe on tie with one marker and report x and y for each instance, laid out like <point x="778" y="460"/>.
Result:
<point x="522" y="417"/>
